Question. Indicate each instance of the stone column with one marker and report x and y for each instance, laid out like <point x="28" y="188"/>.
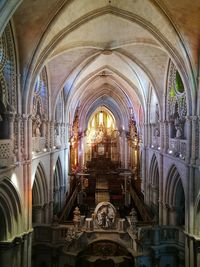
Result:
<point x="145" y="135"/>
<point x="51" y="186"/>
<point x="150" y="135"/>
<point x="29" y="135"/>
<point x="197" y="249"/>
<point x="162" y="135"/>
<point x="80" y="150"/>
<point x="125" y="150"/>
<point x="11" y="118"/>
<point x="24" y="252"/>
<point x="160" y="212"/>
<point x="52" y="141"/>
<point x="37" y="214"/>
<point x="45" y="210"/>
<point x="24" y="142"/>
<point x="188" y="135"/>
<point x="165" y="213"/>
<point x="48" y="135"/>
<point x="161" y="189"/>
<point x="191" y="138"/>
<point x="18" y="141"/>
<point x="172" y="215"/>
<point x="166" y="136"/>
<point x="122" y="148"/>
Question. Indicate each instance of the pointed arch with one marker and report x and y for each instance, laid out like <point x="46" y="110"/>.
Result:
<point x="175" y="197"/>
<point x="57" y="187"/>
<point x="9" y="90"/>
<point x="154" y="171"/>
<point x="154" y="185"/>
<point x="197" y="216"/>
<point x="10" y="211"/>
<point x="40" y="189"/>
<point x="39" y="194"/>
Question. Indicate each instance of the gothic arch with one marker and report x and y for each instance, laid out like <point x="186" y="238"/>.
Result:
<point x="175" y="198"/>
<point x="154" y="178"/>
<point x="8" y="70"/>
<point x="6" y="12"/>
<point x="154" y="185"/>
<point x="177" y="105"/>
<point x="39" y="59"/>
<point x="40" y="105"/>
<point x="10" y="211"/>
<point x="9" y="94"/>
<point x="39" y="195"/>
<point x="197" y="216"/>
<point x="57" y="187"/>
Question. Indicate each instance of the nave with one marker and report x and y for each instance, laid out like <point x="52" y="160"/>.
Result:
<point x="99" y="133"/>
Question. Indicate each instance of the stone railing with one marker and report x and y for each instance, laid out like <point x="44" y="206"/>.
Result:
<point x="38" y="144"/>
<point x="141" y="239"/>
<point x="160" y="235"/>
<point x="52" y="234"/>
<point x="177" y="147"/>
<point x="6" y="152"/>
<point x="156" y="142"/>
<point x="59" y="234"/>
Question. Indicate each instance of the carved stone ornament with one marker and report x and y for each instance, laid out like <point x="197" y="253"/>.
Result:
<point x="105" y="215"/>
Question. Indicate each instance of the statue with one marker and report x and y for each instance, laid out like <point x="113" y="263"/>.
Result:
<point x="76" y="218"/>
<point x="178" y="127"/>
<point x="156" y="132"/>
<point x="134" y="218"/>
<point x="37" y="126"/>
<point x="105" y="215"/>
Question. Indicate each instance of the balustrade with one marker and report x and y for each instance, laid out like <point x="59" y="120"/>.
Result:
<point x="6" y="153"/>
<point x="38" y="144"/>
<point x="177" y="147"/>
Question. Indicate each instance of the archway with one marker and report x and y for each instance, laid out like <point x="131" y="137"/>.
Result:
<point x="154" y="186"/>
<point x="175" y="198"/>
<point x="57" y="187"/>
<point x="101" y="136"/>
<point x="10" y="211"/>
<point x="39" y="196"/>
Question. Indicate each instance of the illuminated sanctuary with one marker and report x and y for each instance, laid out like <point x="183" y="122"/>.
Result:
<point x="99" y="133"/>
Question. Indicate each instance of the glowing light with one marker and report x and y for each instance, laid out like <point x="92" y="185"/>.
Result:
<point x="93" y="122"/>
<point x="109" y="122"/>
<point x="15" y="180"/>
<point x="101" y="118"/>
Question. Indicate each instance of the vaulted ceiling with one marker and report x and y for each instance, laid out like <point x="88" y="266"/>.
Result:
<point x="107" y="52"/>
